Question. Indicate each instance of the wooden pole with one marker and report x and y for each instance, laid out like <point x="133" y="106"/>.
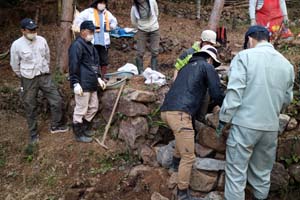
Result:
<point x="65" y="36"/>
<point x="216" y="15"/>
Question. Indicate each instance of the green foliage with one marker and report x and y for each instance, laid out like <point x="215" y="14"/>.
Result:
<point x="30" y="152"/>
<point x="59" y="78"/>
<point x="110" y="161"/>
<point x="154" y="119"/>
<point x="293" y="159"/>
<point x="2" y="156"/>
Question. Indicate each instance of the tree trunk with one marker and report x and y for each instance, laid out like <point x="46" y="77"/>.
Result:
<point x="198" y="8"/>
<point x="64" y="37"/>
<point x="216" y="15"/>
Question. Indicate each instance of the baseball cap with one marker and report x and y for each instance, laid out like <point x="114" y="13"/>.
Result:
<point x="28" y="23"/>
<point x="87" y="25"/>
<point x="209" y="36"/>
<point x="254" y="29"/>
<point x="212" y="52"/>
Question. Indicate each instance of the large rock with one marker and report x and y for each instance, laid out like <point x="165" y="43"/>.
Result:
<point x="221" y="182"/>
<point x="165" y="154"/>
<point x="142" y="96"/>
<point x="139" y="169"/>
<point x="203" y="151"/>
<point x="283" y="122"/>
<point x="214" y="196"/>
<point x="212" y="119"/>
<point x="288" y="145"/>
<point x="279" y="178"/>
<point x="148" y="155"/>
<point x="203" y="181"/>
<point x="294" y="171"/>
<point x="172" y="181"/>
<point x="207" y="137"/>
<point x="209" y="164"/>
<point x="292" y="124"/>
<point x="131" y="129"/>
<point x="157" y="196"/>
<point x="161" y="93"/>
<point x="125" y="106"/>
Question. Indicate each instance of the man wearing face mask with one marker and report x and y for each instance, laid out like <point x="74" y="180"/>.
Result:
<point x="104" y="22"/>
<point x="84" y="77"/>
<point x="182" y="103"/>
<point x="30" y="58"/>
<point x="260" y="85"/>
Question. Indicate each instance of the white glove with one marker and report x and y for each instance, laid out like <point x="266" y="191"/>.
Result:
<point x="78" y="89"/>
<point x="101" y="83"/>
<point x="253" y="22"/>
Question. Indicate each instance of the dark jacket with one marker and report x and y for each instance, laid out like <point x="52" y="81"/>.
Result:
<point x="190" y="86"/>
<point x="84" y="65"/>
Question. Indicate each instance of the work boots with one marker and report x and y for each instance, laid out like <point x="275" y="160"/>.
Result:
<point x="87" y="128"/>
<point x="254" y="198"/>
<point x="139" y="64"/>
<point x="175" y="164"/>
<point x="185" y="195"/>
<point x="79" y="133"/>
<point x="154" y="63"/>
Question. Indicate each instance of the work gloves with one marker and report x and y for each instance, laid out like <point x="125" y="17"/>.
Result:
<point x="219" y="130"/>
<point x="78" y="89"/>
<point x="101" y="83"/>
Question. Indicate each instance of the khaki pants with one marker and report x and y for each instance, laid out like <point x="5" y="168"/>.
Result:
<point x="142" y="38"/>
<point x="181" y="125"/>
<point x="86" y="107"/>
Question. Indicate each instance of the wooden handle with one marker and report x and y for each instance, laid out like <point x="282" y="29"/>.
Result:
<point x="112" y="113"/>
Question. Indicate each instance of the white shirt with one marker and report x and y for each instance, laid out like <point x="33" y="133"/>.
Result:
<point x="150" y="24"/>
<point x="30" y="58"/>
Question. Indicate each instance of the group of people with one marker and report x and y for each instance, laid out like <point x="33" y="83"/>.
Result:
<point x="260" y="85"/>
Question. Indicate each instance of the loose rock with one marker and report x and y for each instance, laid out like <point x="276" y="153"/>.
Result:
<point x="203" y="181"/>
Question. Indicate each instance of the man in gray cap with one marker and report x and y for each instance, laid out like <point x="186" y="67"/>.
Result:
<point x="30" y="59"/>
<point x="84" y="68"/>
<point x="260" y="85"/>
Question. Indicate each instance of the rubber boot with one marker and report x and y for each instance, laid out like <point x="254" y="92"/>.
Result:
<point x="183" y="194"/>
<point x="154" y="63"/>
<point x="175" y="164"/>
<point x="139" y="64"/>
<point x="79" y="136"/>
<point x="103" y="70"/>
<point x="254" y="198"/>
<point x="87" y="128"/>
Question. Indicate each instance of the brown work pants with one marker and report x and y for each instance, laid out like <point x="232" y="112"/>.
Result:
<point x="181" y="125"/>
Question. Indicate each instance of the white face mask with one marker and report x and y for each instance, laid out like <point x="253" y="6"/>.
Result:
<point x="89" y="38"/>
<point x="101" y="6"/>
<point x="31" y="36"/>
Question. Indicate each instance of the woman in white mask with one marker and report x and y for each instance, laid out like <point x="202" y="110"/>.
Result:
<point x="104" y="22"/>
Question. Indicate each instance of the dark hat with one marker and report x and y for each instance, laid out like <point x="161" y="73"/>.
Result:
<point x="255" y="29"/>
<point x="87" y="25"/>
<point x="95" y="3"/>
<point x="28" y="23"/>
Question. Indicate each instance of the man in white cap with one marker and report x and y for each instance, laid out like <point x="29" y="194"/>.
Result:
<point x="181" y="104"/>
<point x="208" y="37"/>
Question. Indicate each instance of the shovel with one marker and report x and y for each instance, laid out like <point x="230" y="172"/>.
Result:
<point x="110" y="118"/>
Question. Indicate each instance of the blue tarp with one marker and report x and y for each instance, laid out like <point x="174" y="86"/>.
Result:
<point x="121" y="33"/>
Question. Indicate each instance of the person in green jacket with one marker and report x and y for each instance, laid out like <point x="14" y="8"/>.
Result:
<point x="208" y="37"/>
